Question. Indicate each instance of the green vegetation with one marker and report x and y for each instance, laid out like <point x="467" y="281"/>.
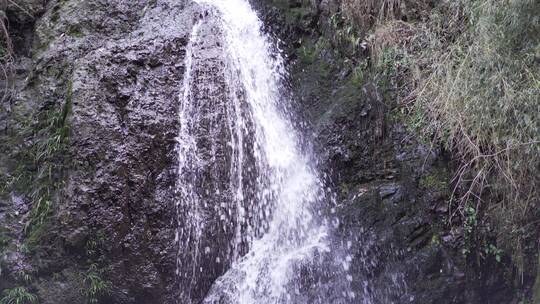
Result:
<point x="75" y="30"/>
<point x="18" y="295"/>
<point x="481" y="97"/>
<point x="46" y="160"/>
<point x="96" y="286"/>
<point x="492" y="250"/>
<point x="309" y="52"/>
<point x="465" y="76"/>
<point x="435" y="181"/>
<point x="37" y="163"/>
<point x="345" y="36"/>
<point x="358" y="77"/>
<point x="478" y="96"/>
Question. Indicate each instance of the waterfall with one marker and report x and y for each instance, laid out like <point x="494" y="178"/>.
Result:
<point x="250" y="199"/>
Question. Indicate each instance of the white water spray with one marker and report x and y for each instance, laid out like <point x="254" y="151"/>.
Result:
<point x="270" y="211"/>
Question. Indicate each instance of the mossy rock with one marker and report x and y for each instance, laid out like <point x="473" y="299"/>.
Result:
<point x="437" y="180"/>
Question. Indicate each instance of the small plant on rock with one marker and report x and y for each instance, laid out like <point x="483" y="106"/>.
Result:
<point x="96" y="285"/>
<point x="18" y="295"/>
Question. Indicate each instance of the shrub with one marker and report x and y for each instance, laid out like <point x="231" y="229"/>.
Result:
<point x="469" y="78"/>
<point x="18" y="295"/>
<point x="482" y="100"/>
<point x="365" y="13"/>
<point x="96" y="286"/>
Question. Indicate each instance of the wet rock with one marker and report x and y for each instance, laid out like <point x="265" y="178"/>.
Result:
<point x="64" y="289"/>
<point x="391" y="203"/>
<point x="119" y="66"/>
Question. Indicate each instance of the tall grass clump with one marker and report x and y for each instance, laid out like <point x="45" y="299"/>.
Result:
<point x="364" y="13"/>
<point x="40" y="156"/>
<point x="481" y="99"/>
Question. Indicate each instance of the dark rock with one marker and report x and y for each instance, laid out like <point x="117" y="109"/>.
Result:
<point x="393" y="228"/>
<point x="120" y="65"/>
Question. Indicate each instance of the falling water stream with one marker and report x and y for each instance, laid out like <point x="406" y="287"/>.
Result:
<point x="250" y="196"/>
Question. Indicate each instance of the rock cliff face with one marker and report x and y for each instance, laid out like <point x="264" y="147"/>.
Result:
<point x="392" y="189"/>
<point x="124" y="125"/>
<point x="114" y="69"/>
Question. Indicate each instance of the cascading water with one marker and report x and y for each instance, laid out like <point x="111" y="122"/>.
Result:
<point x="249" y="193"/>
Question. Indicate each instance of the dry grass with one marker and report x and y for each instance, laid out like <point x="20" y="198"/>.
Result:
<point x="481" y="100"/>
<point x="363" y="14"/>
<point x="392" y="34"/>
<point x="471" y="74"/>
